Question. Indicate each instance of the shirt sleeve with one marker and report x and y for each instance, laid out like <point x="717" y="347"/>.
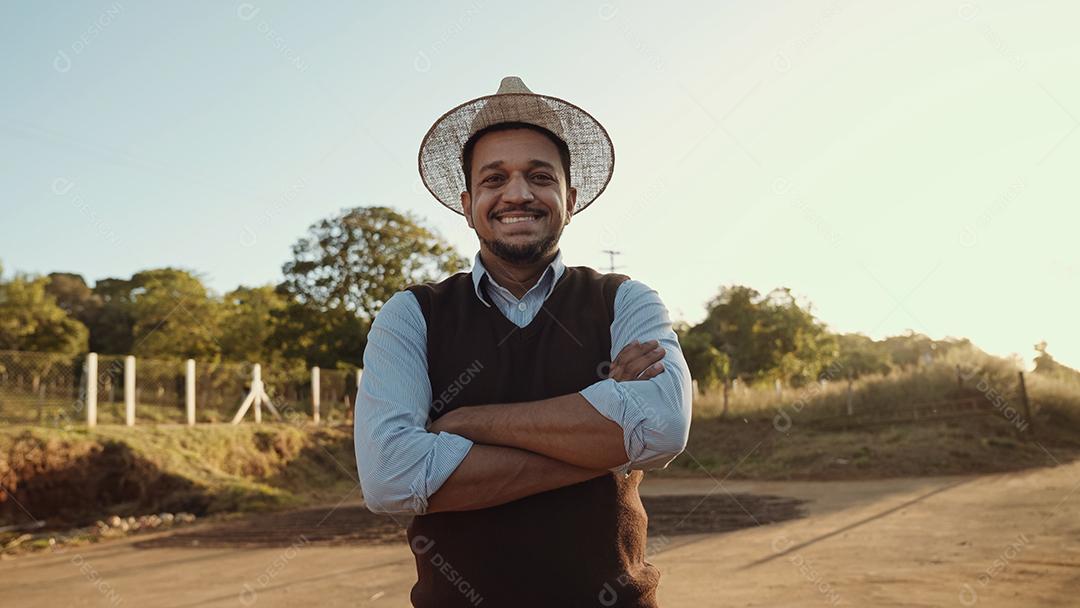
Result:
<point x="654" y="414"/>
<point x="400" y="464"/>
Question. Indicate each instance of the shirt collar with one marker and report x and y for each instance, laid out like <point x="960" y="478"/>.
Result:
<point x="555" y="270"/>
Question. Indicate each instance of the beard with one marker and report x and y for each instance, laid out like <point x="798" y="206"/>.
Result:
<point x="529" y="253"/>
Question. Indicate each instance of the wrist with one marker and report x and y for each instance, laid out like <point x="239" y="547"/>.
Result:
<point x="456" y="422"/>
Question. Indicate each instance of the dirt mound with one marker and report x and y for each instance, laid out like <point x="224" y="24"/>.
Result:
<point x="72" y="477"/>
<point x="72" y="482"/>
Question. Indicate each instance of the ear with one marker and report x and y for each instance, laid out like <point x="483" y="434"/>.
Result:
<point x="571" y="202"/>
<point x="466" y="206"/>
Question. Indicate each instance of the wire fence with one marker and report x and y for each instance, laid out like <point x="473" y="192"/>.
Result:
<point x="336" y="394"/>
<point x="48" y="389"/>
<point x="39" y="388"/>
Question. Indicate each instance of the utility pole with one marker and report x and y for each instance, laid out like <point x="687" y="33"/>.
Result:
<point x="611" y="257"/>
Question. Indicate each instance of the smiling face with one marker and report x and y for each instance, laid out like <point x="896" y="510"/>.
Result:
<point x="519" y="200"/>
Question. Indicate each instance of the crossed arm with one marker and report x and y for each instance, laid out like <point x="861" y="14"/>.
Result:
<point x="524" y="448"/>
<point x="482" y="456"/>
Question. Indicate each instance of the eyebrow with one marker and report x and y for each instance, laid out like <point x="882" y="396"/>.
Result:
<point x="534" y="163"/>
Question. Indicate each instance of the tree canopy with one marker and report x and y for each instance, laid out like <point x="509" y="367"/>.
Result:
<point x="764" y="336"/>
<point x="31" y="319"/>
<point x="341" y="273"/>
<point x="359" y="258"/>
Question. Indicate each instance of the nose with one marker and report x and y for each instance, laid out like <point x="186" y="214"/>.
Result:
<point x="517" y="190"/>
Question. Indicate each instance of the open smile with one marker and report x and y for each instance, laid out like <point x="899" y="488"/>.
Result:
<point x="518" y="218"/>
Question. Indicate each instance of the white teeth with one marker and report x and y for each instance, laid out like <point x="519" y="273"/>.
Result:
<point x="514" y="220"/>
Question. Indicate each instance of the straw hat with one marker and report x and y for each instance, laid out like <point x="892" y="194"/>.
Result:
<point x="592" y="156"/>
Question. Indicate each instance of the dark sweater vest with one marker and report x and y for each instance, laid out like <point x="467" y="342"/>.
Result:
<point x="579" y="545"/>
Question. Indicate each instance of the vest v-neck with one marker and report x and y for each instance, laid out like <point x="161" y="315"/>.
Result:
<point x="537" y="324"/>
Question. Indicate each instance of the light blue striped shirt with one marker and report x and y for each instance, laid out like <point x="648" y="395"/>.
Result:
<point x="401" y="464"/>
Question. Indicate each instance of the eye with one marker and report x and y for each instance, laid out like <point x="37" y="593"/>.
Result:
<point x="491" y="179"/>
<point x="544" y="177"/>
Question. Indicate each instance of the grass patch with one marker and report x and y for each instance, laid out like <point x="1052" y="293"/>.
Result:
<point x="791" y="434"/>
<point x="69" y="476"/>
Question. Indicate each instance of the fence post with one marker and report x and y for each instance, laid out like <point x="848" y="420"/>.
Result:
<point x="129" y="390"/>
<point x="776" y="384"/>
<point x="850" y="396"/>
<point x="1027" y="406"/>
<point x="91" y="390"/>
<point x="256" y="383"/>
<point x="315" y="394"/>
<point x="189" y="391"/>
<point x="723" y="413"/>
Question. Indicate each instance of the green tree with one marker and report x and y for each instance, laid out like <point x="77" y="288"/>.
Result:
<point x="112" y="325"/>
<point x="707" y="364"/>
<point x="767" y="337"/>
<point x="30" y="319"/>
<point x="356" y="260"/>
<point x="860" y="356"/>
<point x="913" y="349"/>
<point x="248" y="322"/>
<point x="320" y="337"/>
<point x="173" y="315"/>
<point x="73" y="295"/>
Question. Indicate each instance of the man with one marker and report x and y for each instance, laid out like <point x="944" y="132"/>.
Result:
<point x="488" y="407"/>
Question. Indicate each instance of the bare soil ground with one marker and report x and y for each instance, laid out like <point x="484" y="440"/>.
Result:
<point x="1010" y="539"/>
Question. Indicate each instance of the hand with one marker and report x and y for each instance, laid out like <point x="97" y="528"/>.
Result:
<point x="638" y="361"/>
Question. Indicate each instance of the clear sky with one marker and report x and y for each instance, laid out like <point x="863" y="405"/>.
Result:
<point x="899" y="165"/>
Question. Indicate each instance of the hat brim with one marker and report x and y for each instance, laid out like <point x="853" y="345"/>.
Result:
<point x="592" y="155"/>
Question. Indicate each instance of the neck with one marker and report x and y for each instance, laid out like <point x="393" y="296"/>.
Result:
<point x="516" y="278"/>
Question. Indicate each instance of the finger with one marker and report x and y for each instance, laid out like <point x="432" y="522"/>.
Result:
<point x="634" y="350"/>
<point x="634" y="358"/>
<point x="651" y="372"/>
<point x="648" y="358"/>
<point x="628" y="352"/>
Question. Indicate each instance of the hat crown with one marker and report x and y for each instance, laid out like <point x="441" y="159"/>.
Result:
<point x="592" y="155"/>
<point x="512" y="84"/>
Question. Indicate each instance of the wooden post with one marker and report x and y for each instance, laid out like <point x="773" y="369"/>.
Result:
<point x="723" y="413"/>
<point x="696" y="387"/>
<point x="189" y="391"/>
<point x="256" y="396"/>
<point x="850" y="398"/>
<point x="91" y="390"/>
<point x="1027" y="406"/>
<point x="129" y="390"/>
<point x="777" y="385"/>
<point x="315" y="394"/>
<point x="256" y="381"/>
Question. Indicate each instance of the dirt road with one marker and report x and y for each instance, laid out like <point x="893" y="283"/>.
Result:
<point x="998" y="540"/>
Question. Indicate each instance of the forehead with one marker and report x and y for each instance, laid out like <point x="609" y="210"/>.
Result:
<point x="514" y="145"/>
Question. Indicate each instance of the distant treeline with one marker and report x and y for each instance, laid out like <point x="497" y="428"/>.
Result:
<point x="348" y="265"/>
<point x="339" y="276"/>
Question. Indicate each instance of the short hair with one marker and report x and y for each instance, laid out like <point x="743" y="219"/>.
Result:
<point x="467" y="149"/>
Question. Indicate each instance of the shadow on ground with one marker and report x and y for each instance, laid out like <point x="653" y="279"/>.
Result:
<point x="354" y="524"/>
